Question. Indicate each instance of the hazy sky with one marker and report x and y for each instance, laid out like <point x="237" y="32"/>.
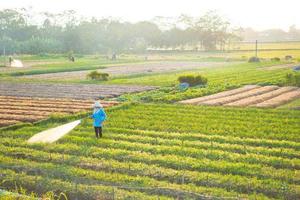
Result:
<point x="259" y="14"/>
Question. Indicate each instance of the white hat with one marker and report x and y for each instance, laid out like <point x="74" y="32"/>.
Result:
<point x="98" y="105"/>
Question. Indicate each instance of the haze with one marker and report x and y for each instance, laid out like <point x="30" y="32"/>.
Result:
<point x="257" y="14"/>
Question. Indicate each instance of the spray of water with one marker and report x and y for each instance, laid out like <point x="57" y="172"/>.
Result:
<point x="52" y="135"/>
<point x="16" y="63"/>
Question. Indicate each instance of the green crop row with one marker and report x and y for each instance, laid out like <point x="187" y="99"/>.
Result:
<point x="175" y="121"/>
<point x="246" y="185"/>
<point x="140" y="137"/>
<point x="173" y="162"/>
<point x="41" y="185"/>
<point x="173" y="149"/>
<point x="91" y="177"/>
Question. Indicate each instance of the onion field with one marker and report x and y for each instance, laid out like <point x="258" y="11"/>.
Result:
<point x="152" y="151"/>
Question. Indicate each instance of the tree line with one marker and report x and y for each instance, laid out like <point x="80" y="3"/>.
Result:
<point x="24" y="32"/>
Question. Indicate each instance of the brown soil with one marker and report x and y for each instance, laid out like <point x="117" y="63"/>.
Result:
<point x="25" y="109"/>
<point x="264" y="97"/>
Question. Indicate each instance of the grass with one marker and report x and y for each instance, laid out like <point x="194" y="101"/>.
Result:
<point x="212" y="151"/>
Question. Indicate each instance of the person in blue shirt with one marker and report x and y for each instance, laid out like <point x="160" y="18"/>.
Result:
<point x="99" y="117"/>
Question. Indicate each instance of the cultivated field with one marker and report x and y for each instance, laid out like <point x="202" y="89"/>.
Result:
<point x="73" y="91"/>
<point x="265" y="46"/>
<point x="250" y="95"/>
<point x="15" y="109"/>
<point x="156" y="150"/>
<point x="152" y="151"/>
<point x="59" y="63"/>
<point x="132" y="69"/>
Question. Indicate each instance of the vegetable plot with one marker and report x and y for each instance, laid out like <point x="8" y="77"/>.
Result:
<point x="250" y="95"/>
<point x="14" y="110"/>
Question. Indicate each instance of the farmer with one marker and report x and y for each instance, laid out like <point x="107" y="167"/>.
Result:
<point x="10" y="60"/>
<point x="99" y="117"/>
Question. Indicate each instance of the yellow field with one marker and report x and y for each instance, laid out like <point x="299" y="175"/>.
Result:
<point x="265" y="46"/>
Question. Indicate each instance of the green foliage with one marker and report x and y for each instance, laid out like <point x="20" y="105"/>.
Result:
<point x="275" y="59"/>
<point x="59" y="33"/>
<point x="193" y="80"/>
<point x="95" y="75"/>
<point x="293" y="79"/>
<point x="288" y="57"/>
<point x="250" y="153"/>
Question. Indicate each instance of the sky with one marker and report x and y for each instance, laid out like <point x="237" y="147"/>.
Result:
<point x="258" y="14"/>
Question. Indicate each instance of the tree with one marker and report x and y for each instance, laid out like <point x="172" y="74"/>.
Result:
<point x="67" y="31"/>
<point x="212" y="29"/>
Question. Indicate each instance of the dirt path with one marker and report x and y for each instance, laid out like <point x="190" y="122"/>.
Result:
<point x="133" y="69"/>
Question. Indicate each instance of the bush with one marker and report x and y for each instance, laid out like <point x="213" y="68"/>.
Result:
<point x="193" y="80"/>
<point x="94" y="75"/>
<point x="244" y="57"/>
<point x="288" y="57"/>
<point x="293" y="79"/>
<point x="275" y="59"/>
<point x="253" y="59"/>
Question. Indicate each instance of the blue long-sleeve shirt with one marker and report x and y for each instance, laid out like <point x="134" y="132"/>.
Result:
<point x="99" y="117"/>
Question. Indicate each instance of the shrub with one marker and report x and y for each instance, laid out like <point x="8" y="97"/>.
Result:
<point x="94" y="75"/>
<point x="193" y="80"/>
<point x="18" y="74"/>
<point x="244" y="57"/>
<point x="288" y="57"/>
<point x="276" y="59"/>
<point x="293" y="79"/>
<point x="253" y="59"/>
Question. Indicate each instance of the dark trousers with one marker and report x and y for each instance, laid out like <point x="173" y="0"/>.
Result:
<point x="98" y="131"/>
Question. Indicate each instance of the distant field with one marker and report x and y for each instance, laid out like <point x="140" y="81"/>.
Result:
<point x="40" y="65"/>
<point x="131" y="69"/>
<point x="219" y="79"/>
<point x="72" y="91"/>
<point x="265" y="46"/>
